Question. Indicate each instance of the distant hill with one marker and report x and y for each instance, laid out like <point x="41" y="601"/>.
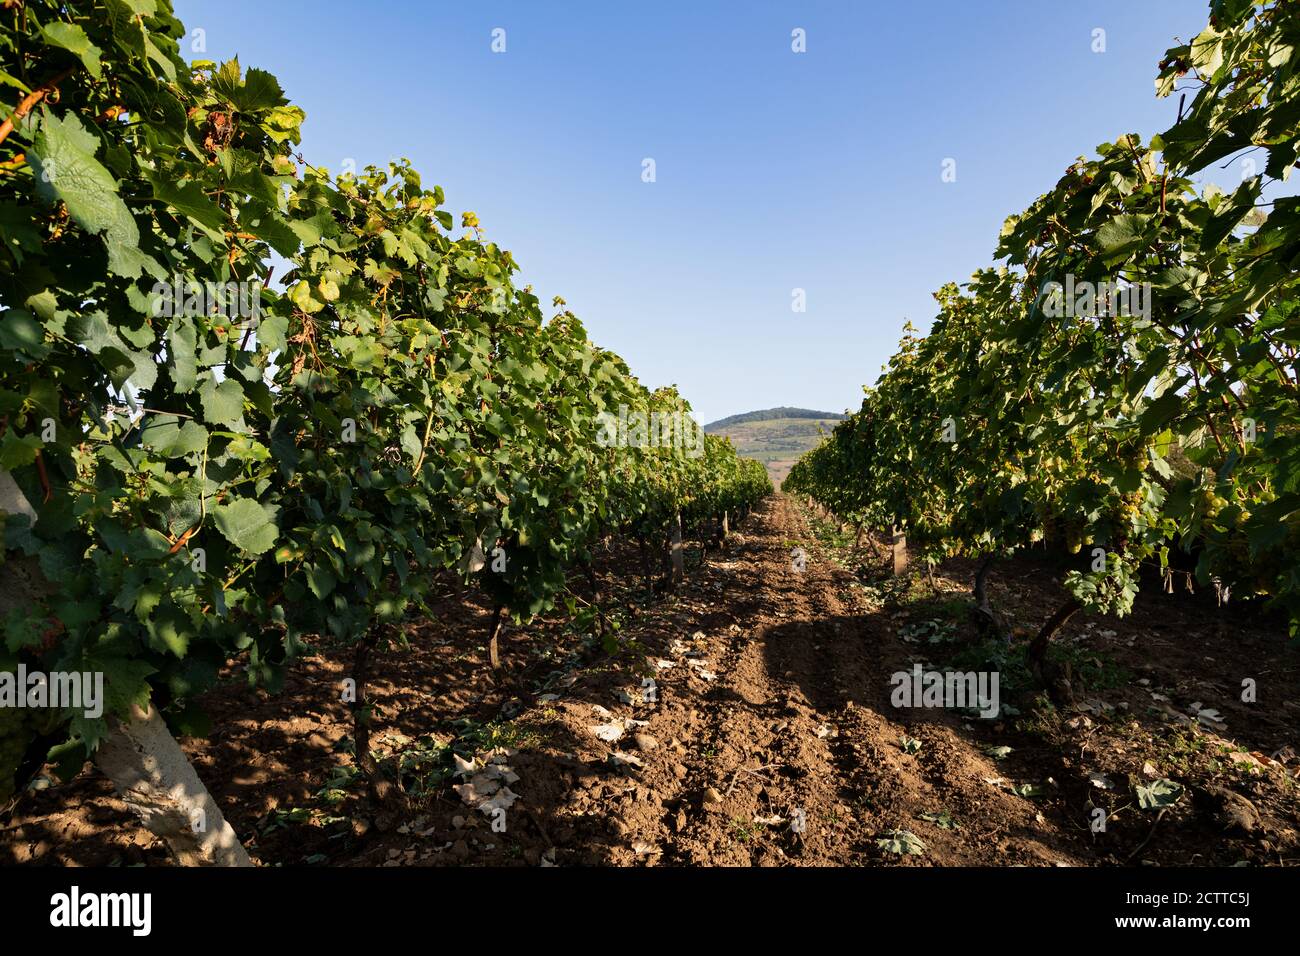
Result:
<point x="775" y="436"/>
<point x="770" y="414"/>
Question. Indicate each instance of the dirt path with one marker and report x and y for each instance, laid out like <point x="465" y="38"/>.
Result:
<point x="794" y="753"/>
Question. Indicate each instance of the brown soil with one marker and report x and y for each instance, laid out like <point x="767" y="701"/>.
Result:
<point x="770" y="740"/>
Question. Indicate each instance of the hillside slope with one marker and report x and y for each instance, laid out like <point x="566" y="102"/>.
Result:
<point x="775" y="436"/>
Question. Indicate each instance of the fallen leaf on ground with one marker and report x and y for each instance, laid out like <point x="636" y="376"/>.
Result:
<point x="901" y="842"/>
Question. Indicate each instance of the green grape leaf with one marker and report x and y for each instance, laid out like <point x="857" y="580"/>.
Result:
<point x="247" y="524"/>
<point x="64" y="164"/>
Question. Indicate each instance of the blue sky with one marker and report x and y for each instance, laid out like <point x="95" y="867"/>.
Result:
<point x="774" y="170"/>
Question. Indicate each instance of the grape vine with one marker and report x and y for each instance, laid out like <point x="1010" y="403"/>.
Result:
<point x="216" y="485"/>
<point x="1125" y="380"/>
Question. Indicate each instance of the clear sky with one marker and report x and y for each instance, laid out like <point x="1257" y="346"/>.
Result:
<point x="775" y="170"/>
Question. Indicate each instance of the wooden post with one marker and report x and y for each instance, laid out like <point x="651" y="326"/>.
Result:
<point x="900" y="552"/>
<point x="986" y="619"/>
<point x="154" y="778"/>
<point x="726" y="526"/>
<point x="679" y="564"/>
<point x="380" y="788"/>
<point x="494" y="655"/>
<point x="646" y="569"/>
<point x="595" y="597"/>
